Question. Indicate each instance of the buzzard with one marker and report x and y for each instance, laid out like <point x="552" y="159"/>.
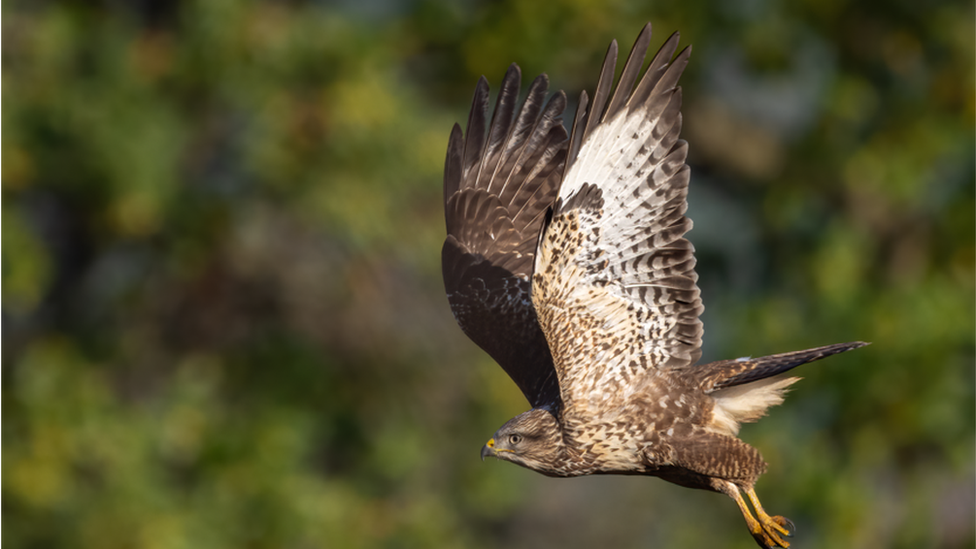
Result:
<point x="565" y="260"/>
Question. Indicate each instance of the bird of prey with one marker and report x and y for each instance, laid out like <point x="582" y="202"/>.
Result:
<point x="566" y="261"/>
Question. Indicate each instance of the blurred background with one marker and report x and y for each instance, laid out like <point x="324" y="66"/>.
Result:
<point x="223" y="316"/>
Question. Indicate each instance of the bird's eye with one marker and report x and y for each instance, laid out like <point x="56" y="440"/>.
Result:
<point x="515" y="439"/>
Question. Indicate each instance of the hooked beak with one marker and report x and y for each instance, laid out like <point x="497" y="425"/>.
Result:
<point x="488" y="449"/>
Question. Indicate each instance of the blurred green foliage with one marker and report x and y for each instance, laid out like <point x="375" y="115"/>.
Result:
<point x="223" y="316"/>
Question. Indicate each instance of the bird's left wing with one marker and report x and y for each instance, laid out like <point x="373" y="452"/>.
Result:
<point x="614" y="284"/>
<point x="497" y="191"/>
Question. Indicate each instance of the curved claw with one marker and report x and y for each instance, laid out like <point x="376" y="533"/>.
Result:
<point x="772" y="527"/>
<point x="768" y="531"/>
<point x="771" y="530"/>
<point x="785" y="525"/>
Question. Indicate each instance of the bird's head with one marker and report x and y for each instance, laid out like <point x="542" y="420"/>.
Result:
<point x="531" y="439"/>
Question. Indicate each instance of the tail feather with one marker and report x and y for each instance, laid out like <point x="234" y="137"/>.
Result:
<point x="729" y="373"/>
<point x="743" y="389"/>
<point x="747" y="403"/>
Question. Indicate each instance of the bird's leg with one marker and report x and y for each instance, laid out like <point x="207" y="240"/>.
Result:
<point x="782" y="525"/>
<point x="763" y="531"/>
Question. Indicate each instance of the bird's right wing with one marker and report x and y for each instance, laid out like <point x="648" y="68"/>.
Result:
<point x="614" y="285"/>
<point x="496" y="195"/>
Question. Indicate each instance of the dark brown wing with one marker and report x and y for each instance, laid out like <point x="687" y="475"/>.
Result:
<point x="497" y="191"/>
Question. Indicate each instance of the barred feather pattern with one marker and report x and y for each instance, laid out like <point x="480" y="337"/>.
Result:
<point x="614" y="284"/>
<point x="500" y="180"/>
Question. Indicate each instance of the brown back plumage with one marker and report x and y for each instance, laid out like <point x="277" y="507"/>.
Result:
<point x="497" y="191"/>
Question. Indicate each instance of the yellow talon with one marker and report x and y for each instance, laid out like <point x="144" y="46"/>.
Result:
<point x="767" y="530"/>
<point x="782" y="525"/>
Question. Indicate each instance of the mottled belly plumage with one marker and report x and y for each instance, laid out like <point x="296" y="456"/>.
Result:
<point x="637" y="437"/>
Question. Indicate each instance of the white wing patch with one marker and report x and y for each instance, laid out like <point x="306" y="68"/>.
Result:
<point x="614" y="284"/>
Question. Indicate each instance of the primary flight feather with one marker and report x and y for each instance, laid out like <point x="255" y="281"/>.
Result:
<point x="566" y="261"/>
